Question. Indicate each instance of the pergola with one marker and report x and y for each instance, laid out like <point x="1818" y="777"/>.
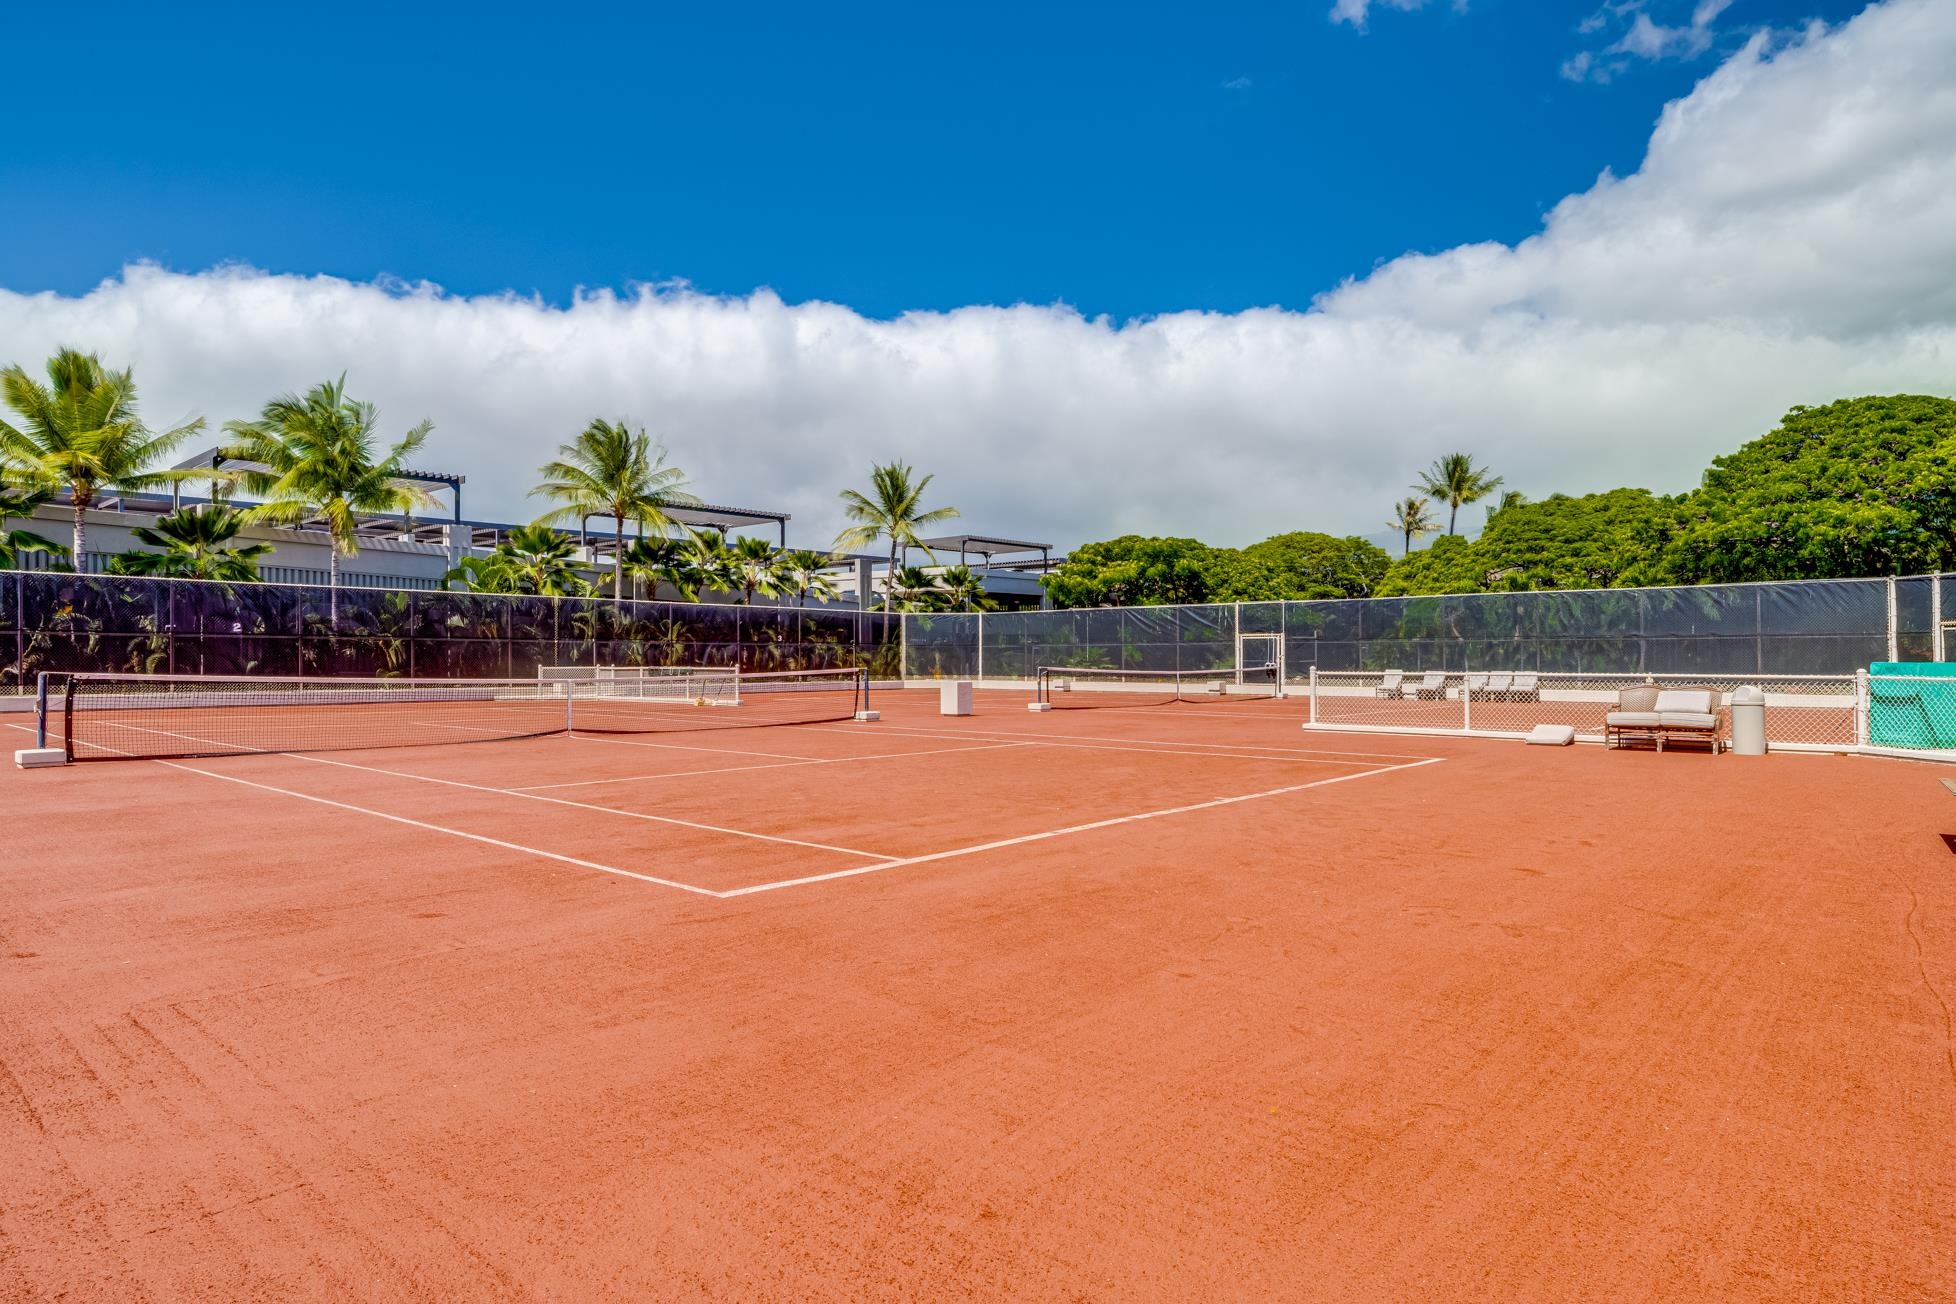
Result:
<point x="988" y="547"/>
<point x="374" y="525"/>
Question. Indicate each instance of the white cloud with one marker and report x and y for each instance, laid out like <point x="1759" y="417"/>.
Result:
<point x="1643" y="38"/>
<point x="1790" y="238"/>
<point x="1355" y="12"/>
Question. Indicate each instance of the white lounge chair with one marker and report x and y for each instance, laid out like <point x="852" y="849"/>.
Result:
<point x="1432" y="686"/>
<point x="1527" y="687"/>
<point x="1389" y="683"/>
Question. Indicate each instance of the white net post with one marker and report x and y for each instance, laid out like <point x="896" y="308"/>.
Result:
<point x="1314" y="693"/>
<point x="1466" y="700"/>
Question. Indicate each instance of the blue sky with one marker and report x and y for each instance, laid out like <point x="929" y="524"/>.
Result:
<point x="1128" y="159"/>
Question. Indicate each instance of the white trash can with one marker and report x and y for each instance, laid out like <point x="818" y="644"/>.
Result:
<point x="1748" y="721"/>
<point x="954" y="698"/>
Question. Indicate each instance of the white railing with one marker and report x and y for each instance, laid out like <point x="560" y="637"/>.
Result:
<point x="1824" y="713"/>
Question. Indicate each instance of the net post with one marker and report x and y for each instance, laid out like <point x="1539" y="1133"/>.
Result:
<point x="1042" y="690"/>
<point x="863" y="713"/>
<point x="1313" y="718"/>
<point x="570" y="706"/>
<point x="41" y="709"/>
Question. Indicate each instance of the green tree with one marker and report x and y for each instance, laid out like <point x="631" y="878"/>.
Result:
<point x="712" y="564"/>
<point x="658" y="559"/>
<point x="915" y="589"/>
<point x="81" y="432"/>
<point x="1596" y="541"/>
<point x="532" y="559"/>
<point x="892" y="509"/>
<point x="1411" y="519"/>
<point x="1454" y="480"/>
<point x="1301" y="565"/>
<point x="194" y="543"/>
<point x="755" y="567"/>
<point x="962" y="590"/>
<point x="612" y="470"/>
<point x="1863" y="486"/>
<point x="314" y="456"/>
<point x="22" y="502"/>
<point x="805" y="572"/>
<point x="1133" y="571"/>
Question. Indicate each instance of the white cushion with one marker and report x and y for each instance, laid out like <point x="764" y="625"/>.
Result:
<point x="1684" y="699"/>
<point x="1689" y="719"/>
<point x="1650" y="718"/>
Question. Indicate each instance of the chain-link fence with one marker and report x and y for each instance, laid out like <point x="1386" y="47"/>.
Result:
<point x="99" y="623"/>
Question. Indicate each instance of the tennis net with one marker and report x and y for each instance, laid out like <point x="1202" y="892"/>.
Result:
<point x="1064" y="687"/>
<point x="121" y="717"/>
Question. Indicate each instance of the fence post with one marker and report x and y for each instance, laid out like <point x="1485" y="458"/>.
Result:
<point x="1466" y="699"/>
<point x="1237" y="619"/>
<point x="1894" y="652"/>
<point x="1314" y="693"/>
<point x="903" y="646"/>
<point x="1861" y="708"/>
<point x="1935" y="617"/>
<point x="981" y="647"/>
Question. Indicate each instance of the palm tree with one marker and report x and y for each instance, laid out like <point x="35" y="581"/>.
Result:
<point x="659" y="558"/>
<point x="196" y="545"/>
<point x="805" y="571"/>
<point x="533" y="559"/>
<point x="915" y="588"/>
<point x="81" y="432"/>
<point x="1509" y="498"/>
<point x="1455" y="480"/>
<point x="892" y="509"/>
<point x="712" y="561"/>
<point x="755" y="567"/>
<point x="611" y="470"/>
<point x="314" y="457"/>
<point x="22" y="502"/>
<point x="1411" y="519"/>
<point x="962" y="590"/>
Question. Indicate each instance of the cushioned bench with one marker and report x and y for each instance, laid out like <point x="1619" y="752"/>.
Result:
<point x="1647" y="711"/>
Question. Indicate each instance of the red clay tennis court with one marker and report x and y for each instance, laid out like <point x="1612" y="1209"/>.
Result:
<point x="1171" y="1002"/>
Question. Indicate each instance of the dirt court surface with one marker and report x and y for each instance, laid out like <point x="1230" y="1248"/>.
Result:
<point x="1174" y="1003"/>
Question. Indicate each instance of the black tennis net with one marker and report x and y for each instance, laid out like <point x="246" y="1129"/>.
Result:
<point x="124" y="717"/>
<point x="1072" y="687"/>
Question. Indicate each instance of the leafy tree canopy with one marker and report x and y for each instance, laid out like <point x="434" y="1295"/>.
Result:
<point x="1134" y="571"/>
<point x="1301" y="564"/>
<point x="1863" y="486"/>
<point x="1596" y="541"/>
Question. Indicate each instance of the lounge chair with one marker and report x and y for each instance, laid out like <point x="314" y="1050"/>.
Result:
<point x="1389" y="683"/>
<point x="1431" y="687"/>
<point x="1475" y="686"/>
<point x="1647" y="711"/>
<point x="1497" y="686"/>
<point x="1527" y="687"/>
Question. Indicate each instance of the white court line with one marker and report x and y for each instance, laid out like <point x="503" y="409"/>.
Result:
<point x="981" y="731"/>
<point x="526" y="796"/>
<point x="602" y="810"/>
<point x="437" y="828"/>
<point x="1070" y="830"/>
<point x="772" y="765"/>
<point x="1152" y="747"/>
<point x="681" y="747"/>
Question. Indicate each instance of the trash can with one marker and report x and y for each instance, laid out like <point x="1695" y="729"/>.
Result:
<point x="1749" y="721"/>
<point x="954" y="698"/>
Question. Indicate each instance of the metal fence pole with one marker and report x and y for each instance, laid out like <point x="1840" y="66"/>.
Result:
<point x="1861" y="708"/>
<point x="981" y="646"/>
<point x="1314" y="693"/>
<point x="1935" y="617"/>
<point x="1466" y="699"/>
<point x="1894" y="651"/>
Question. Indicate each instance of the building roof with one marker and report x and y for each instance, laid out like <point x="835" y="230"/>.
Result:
<point x="982" y="543"/>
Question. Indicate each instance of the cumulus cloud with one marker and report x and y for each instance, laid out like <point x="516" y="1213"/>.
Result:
<point x="1790" y="238"/>
<point x="1355" y="12"/>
